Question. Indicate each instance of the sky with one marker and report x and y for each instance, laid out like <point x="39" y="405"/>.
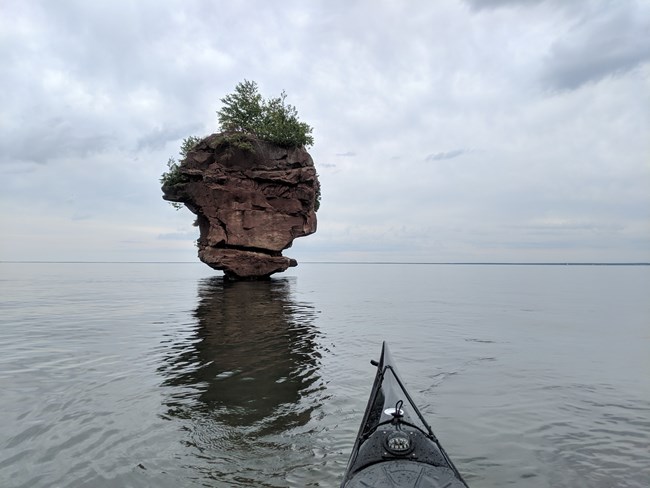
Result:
<point x="455" y="131"/>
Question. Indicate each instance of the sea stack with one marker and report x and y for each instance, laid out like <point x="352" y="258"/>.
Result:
<point x="251" y="199"/>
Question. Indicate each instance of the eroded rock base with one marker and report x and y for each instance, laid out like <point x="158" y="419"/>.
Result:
<point x="245" y="265"/>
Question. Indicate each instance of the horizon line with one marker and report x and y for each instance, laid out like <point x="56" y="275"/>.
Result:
<point x="456" y="263"/>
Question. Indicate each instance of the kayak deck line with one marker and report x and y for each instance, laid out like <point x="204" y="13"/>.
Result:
<point x="391" y="449"/>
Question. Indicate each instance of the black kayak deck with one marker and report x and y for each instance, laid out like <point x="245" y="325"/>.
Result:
<point x="395" y="447"/>
<point x="405" y="474"/>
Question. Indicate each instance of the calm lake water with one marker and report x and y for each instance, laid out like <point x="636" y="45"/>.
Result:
<point x="164" y="375"/>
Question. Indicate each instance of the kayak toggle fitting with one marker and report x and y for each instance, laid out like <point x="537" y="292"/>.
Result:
<point x="397" y="412"/>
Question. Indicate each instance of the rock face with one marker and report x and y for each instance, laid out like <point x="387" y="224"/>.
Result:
<point x="251" y="199"/>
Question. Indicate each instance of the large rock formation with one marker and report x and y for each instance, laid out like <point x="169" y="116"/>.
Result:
<point x="251" y="199"/>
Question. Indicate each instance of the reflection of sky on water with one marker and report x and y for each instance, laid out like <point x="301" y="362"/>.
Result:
<point x="245" y="376"/>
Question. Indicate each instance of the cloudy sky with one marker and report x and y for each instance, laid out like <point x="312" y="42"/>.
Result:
<point x="468" y="130"/>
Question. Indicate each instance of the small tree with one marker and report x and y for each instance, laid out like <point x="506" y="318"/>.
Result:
<point x="242" y="110"/>
<point x="271" y="120"/>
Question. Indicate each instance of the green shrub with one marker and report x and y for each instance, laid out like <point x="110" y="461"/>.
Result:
<point x="188" y="144"/>
<point x="230" y="140"/>
<point x="173" y="175"/>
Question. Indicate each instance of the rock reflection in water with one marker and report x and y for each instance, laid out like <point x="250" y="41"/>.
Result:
<point x="245" y="377"/>
<point x="253" y="352"/>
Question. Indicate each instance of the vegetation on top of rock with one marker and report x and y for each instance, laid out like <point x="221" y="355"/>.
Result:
<point x="173" y="175"/>
<point x="244" y="114"/>
<point x="272" y="120"/>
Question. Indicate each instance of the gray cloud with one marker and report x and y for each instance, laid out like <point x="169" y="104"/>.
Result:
<point x="159" y="137"/>
<point x="347" y="154"/>
<point x="491" y="4"/>
<point x="554" y="226"/>
<point x="52" y="140"/>
<point x="605" y="43"/>
<point x="445" y="155"/>
<point x="82" y="216"/>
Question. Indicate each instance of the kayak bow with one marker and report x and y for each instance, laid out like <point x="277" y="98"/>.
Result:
<point x="395" y="447"/>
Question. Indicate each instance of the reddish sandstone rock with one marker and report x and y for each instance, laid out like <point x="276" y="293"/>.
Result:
<point x="250" y="203"/>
